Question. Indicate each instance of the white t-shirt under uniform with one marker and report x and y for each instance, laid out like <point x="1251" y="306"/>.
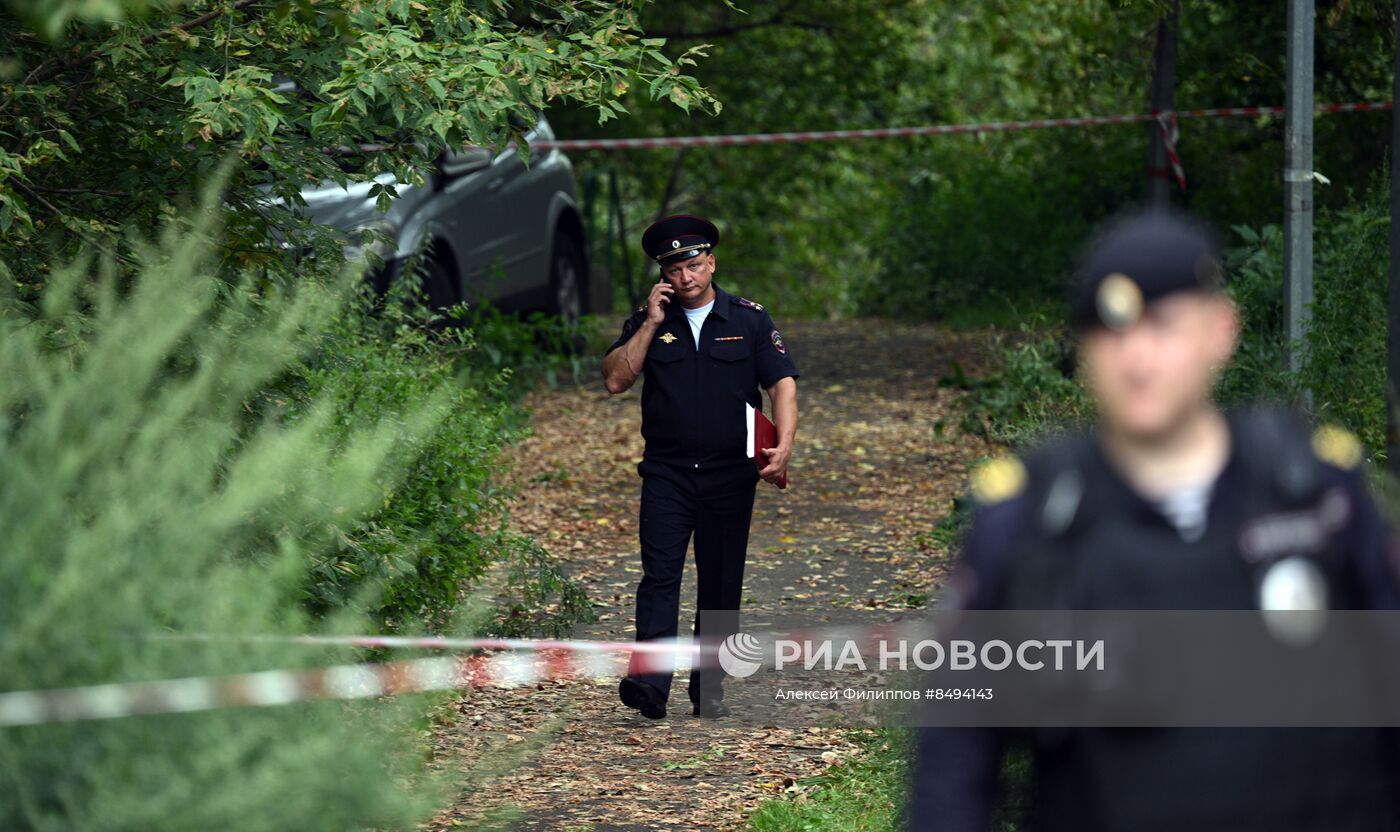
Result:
<point x="1186" y="509"/>
<point x="696" y="317"/>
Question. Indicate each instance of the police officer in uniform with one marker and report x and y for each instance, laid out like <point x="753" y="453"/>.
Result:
<point x="1154" y="510"/>
<point x="704" y="355"/>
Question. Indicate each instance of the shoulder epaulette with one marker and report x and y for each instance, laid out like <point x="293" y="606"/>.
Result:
<point x="998" y="479"/>
<point x="1338" y="446"/>
<point x="757" y="307"/>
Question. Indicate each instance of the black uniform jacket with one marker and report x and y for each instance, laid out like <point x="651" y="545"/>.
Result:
<point x="693" y="400"/>
<point x="1195" y="783"/>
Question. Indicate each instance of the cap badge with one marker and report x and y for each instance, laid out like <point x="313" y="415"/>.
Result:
<point x="668" y="338"/>
<point x="675" y="244"/>
<point x="1119" y="301"/>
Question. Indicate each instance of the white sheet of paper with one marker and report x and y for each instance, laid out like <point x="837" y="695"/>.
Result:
<point x="748" y="422"/>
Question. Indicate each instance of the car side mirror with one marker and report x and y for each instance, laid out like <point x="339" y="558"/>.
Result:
<point x="456" y="163"/>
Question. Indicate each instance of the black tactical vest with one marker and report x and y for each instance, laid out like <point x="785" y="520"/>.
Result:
<point x="1099" y="548"/>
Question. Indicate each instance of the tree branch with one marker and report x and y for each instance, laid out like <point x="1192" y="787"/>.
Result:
<point x="195" y="23"/>
<point x="671" y="184"/>
<point x="51" y="69"/>
<point x="95" y="243"/>
<point x="97" y="191"/>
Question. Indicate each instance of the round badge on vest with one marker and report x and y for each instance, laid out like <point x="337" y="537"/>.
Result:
<point x="1293" y="600"/>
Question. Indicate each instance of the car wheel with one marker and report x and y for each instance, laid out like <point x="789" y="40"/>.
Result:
<point x="439" y="284"/>
<point x="567" y="277"/>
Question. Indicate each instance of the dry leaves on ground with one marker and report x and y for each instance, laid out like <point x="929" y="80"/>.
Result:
<point x="870" y="480"/>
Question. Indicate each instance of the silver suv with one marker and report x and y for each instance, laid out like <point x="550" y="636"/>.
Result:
<point x="491" y="227"/>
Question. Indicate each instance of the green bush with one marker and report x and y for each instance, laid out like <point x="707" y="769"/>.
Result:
<point x="1033" y="393"/>
<point x="141" y="492"/>
<point x="186" y="450"/>
<point x="1344" y="355"/>
<point x="442" y="524"/>
<point x="441" y="527"/>
<point x="522" y="351"/>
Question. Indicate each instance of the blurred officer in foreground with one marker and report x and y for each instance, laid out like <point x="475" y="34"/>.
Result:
<point x="704" y="353"/>
<point x="1150" y="506"/>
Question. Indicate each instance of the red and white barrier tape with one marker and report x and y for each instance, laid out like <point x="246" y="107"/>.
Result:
<point x="660" y="646"/>
<point x="352" y="681"/>
<point x="930" y="130"/>
<point x="1170" y="135"/>
<point x="518" y="662"/>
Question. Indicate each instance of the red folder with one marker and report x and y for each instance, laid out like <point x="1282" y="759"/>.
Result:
<point x="763" y="434"/>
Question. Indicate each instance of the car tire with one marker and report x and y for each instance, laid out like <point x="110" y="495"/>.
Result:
<point x="439" y="283"/>
<point x="568" y="281"/>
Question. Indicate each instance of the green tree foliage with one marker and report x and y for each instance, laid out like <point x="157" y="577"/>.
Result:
<point x="794" y="218"/>
<point x="1233" y="53"/>
<point x="992" y="220"/>
<point x="111" y="110"/>
<point x="938" y="227"/>
<point x="145" y="488"/>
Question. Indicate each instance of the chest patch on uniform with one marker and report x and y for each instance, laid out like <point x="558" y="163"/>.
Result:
<point x="730" y="338"/>
<point x="667" y="338"/>
<point x="745" y="302"/>
<point x="778" y="343"/>
<point x="1276" y="536"/>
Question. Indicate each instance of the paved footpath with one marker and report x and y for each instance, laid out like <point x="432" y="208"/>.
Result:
<point x="850" y="538"/>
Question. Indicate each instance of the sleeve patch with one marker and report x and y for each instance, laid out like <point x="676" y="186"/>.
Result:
<point x="998" y="479"/>
<point x="778" y="343"/>
<point x="629" y="328"/>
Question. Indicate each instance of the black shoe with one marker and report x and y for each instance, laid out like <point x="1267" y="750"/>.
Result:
<point x="642" y="697"/>
<point x="711" y="708"/>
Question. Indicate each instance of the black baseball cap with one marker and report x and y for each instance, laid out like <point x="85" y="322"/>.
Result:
<point x="1138" y="259"/>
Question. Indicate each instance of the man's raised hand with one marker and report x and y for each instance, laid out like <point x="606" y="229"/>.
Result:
<point x="656" y="303"/>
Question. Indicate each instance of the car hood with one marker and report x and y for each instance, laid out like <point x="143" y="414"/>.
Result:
<point x="349" y="207"/>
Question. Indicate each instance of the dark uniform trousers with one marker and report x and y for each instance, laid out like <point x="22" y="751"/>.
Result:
<point x="714" y="505"/>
